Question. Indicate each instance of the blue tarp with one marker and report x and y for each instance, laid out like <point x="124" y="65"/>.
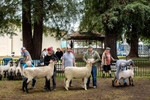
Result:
<point x="6" y="60"/>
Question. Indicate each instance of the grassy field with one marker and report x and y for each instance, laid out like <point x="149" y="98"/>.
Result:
<point x="11" y="90"/>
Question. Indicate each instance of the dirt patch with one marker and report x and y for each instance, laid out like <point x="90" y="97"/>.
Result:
<point x="11" y="90"/>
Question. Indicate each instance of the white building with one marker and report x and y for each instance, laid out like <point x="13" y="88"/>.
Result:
<point x="8" y="45"/>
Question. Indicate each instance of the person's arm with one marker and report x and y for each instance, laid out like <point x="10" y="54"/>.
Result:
<point x="103" y="58"/>
<point x="97" y="57"/>
<point x="46" y="61"/>
<point x="74" y="62"/>
<point x="84" y="57"/>
<point x="117" y="71"/>
<point x="26" y="57"/>
<point x="63" y="66"/>
<point x="63" y="62"/>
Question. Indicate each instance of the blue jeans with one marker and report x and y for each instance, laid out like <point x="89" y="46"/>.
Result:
<point x="94" y="76"/>
<point x="33" y="81"/>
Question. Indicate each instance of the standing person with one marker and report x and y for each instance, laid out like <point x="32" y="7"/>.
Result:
<point x="43" y="54"/>
<point x="68" y="59"/>
<point x="121" y="65"/>
<point x="92" y="54"/>
<point x="59" y="53"/>
<point x="47" y="58"/>
<point x="106" y="61"/>
<point x="29" y="64"/>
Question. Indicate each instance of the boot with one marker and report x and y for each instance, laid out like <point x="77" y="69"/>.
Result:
<point x="110" y="75"/>
<point x="103" y="76"/>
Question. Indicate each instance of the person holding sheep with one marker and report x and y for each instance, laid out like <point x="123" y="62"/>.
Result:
<point x="106" y="61"/>
<point x="51" y="56"/>
<point x="92" y="54"/>
<point x="121" y="66"/>
<point x="28" y="64"/>
<point x="68" y="59"/>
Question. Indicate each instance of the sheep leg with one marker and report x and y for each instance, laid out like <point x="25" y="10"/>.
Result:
<point x="5" y="74"/>
<point x="67" y="83"/>
<point x="26" y="86"/>
<point x="113" y="81"/>
<point x="82" y="82"/>
<point x="129" y="80"/>
<point x="23" y="85"/>
<point x="48" y="84"/>
<point x="85" y="81"/>
<point x="132" y="81"/>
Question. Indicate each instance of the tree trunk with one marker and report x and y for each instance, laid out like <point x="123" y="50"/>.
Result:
<point x="134" y="46"/>
<point x="38" y="32"/>
<point x="32" y="42"/>
<point x="26" y="24"/>
<point x="110" y="41"/>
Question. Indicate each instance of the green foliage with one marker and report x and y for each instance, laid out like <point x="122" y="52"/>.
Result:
<point x="130" y="15"/>
<point x="57" y="14"/>
<point x="9" y="19"/>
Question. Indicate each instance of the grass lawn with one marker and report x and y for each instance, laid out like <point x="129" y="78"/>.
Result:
<point x="11" y="90"/>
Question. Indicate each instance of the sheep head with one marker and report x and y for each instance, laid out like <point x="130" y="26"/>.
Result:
<point x="90" y="60"/>
<point x="51" y="63"/>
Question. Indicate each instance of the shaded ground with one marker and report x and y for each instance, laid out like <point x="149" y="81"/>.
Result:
<point x="11" y="90"/>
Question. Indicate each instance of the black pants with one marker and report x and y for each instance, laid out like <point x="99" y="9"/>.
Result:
<point x="53" y="81"/>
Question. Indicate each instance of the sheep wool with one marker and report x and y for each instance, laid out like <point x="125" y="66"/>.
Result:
<point x="38" y="72"/>
<point x="78" y="72"/>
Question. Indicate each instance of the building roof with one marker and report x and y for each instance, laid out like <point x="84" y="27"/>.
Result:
<point x="91" y="36"/>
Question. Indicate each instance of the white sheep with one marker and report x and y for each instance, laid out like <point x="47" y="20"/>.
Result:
<point x="125" y="74"/>
<point x="4" y="68"/>
<point x="19" y="70"/>
<point x="38" y="72"/>
<point x="12" y="69"/>
<point x="78" y="72"/>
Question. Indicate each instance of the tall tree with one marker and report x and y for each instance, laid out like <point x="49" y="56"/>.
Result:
<point x="112" y="16"/>
<point x="54" y="15"/>
<point x="136" y="15"/>
<point x="104" y="16"/>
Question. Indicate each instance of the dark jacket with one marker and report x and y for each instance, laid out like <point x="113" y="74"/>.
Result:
<point x="47" y="58"/>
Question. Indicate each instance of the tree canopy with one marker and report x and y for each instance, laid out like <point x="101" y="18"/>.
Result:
<point x="112" y="17"/>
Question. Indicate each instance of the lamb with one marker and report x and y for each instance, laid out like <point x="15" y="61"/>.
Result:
<point x="4" y="68"/>
<point x="13" y="68"/>
<point x="78" y="72"/>
<point x="11" y="71"/>
<point x="38" y="72"/>
<point x="125" y="74"/>
<point x="19" y="70"/>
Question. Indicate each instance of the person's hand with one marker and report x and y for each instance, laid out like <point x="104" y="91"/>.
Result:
<point x="62" y="68"/>
<point x="51" y="61"/>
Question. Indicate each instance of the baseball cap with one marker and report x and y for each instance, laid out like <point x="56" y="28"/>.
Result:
<point x="49" y="49"/>
<point x="107" y="48"/>
<point x="23" y="48"/>
<point x="68" y="47"/>
<point x="90" y="46"/>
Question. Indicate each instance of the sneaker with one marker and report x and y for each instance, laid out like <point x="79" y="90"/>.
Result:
<point x="32" y="87"/>
<point x="94" y="87"/>
<point x="125" y="84"/>
<point x="54" y="88"/>
<point x="70" y="85"/>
